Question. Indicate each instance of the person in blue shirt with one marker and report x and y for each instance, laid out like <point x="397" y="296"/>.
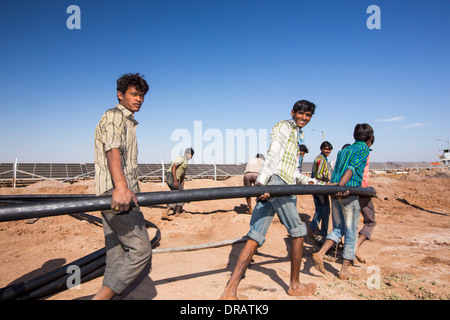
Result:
<point x="348" y="171"/>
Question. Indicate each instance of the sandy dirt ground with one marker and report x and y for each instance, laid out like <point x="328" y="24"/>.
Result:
<point x="409" y="252"/>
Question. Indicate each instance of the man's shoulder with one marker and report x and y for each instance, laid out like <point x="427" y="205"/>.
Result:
<point x="319" y="157"/>
<point x="289" y="123"/>
<point x="180" y="160"/>
<point x="113" y="114"/>
<point x="359" y="147"/>
<point x="114" y="110"/>
<point x="283" y="125"/>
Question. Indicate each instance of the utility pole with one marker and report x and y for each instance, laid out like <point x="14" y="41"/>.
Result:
<point x="323" y="133"/>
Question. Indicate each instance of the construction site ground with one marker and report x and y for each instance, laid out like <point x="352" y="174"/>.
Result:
<point x="408" y="254"/>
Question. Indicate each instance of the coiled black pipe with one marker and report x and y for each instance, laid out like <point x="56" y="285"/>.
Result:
<point x="67" y="206"/>
<point x="16" y="290"/>
<point x="60" y="284"/>
<point x="91" y="267"/>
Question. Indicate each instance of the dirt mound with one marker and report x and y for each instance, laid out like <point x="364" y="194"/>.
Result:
<point x="425" y="175"/>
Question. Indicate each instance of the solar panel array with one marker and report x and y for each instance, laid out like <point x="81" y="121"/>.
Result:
<point x="70" y="171"/>
<point x="57" y="171"/>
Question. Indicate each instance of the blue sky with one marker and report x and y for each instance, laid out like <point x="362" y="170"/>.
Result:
<point x="229" y="64"/>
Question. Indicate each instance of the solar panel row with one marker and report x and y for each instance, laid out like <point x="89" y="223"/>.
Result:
<point x="67" y="171"/>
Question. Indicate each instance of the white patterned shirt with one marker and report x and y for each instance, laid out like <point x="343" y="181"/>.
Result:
<point x="283" y="155"/>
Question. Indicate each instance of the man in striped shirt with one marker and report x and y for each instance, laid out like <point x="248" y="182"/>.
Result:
<point x="321" y="201"/>
<point x="349" y="169"/>
<point x="280" y="168"/>
<point x="127" y="244"/>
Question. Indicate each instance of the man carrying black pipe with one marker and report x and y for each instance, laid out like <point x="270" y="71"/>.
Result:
<point x="128" y="248"/>
<point x="280" y="168"/>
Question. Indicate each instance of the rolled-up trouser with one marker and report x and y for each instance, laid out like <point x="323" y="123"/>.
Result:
<point x="368" y="213"/>
<point x="128" y="248"/>
<point x="286" y="209"/>
<point x="345" y="215"/>
<point x="170" y="181"/>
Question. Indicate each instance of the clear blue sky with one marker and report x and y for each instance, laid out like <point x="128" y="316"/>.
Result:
<point x="229" y="64"/>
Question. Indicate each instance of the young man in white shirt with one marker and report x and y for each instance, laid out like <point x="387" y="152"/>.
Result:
<point x="280" y="168"/>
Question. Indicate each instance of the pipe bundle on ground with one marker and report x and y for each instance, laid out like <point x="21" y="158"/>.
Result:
<point x="92" y="265"/>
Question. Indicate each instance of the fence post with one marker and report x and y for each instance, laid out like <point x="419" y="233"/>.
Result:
<point x="14" y="172"/>
<point x="162" y="174"/>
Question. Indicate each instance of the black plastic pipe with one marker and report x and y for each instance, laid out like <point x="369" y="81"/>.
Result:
<point x="24" y="198"/>
<point x="91" y="266"/>
<point x="40" y="197"/>
<point x="68" y="206"/>
<point x="60" y="284"/>
<point x="16" y="290"/>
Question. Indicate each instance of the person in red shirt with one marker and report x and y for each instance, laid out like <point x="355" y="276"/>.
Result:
<point x="367" y="211"/>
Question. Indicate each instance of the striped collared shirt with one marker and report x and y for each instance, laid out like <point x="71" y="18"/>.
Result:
<point x="116" y="130"/>
<point x="283" y="155"/>
<point x="320" y="168"/>
<point x="353" y="157"/>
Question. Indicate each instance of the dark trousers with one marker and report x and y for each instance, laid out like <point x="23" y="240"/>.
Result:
<point x="128" y="248"/>
<point x="322" y="203"/>
<point x="368" y="213"/>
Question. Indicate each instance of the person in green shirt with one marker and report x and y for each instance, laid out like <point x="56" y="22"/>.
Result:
<point x="321" y="201"/>
<point x="349" y="169"/>
<point x="175" y="180"/>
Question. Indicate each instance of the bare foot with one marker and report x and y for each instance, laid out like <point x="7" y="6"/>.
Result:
<point x="165" y="216"/>
<point x="347" y="276"/>
<point x="307" y="289"/>
<point x="318" y="262"/>
<point x="360" y="258"/>
<point x="181" y="214"/>
<point x="226" y="296"/>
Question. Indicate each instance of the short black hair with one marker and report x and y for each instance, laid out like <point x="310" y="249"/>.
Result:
<point x="304" y="106"/>
<point x="189" y="151"/>
<point x="303" y="148"/>
<point x="363" y="132"/>
<point x="326" y="145"/>
<point x="132" y="80"/>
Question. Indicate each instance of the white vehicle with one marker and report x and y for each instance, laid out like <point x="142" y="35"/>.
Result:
<point x="444" y="158"/>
